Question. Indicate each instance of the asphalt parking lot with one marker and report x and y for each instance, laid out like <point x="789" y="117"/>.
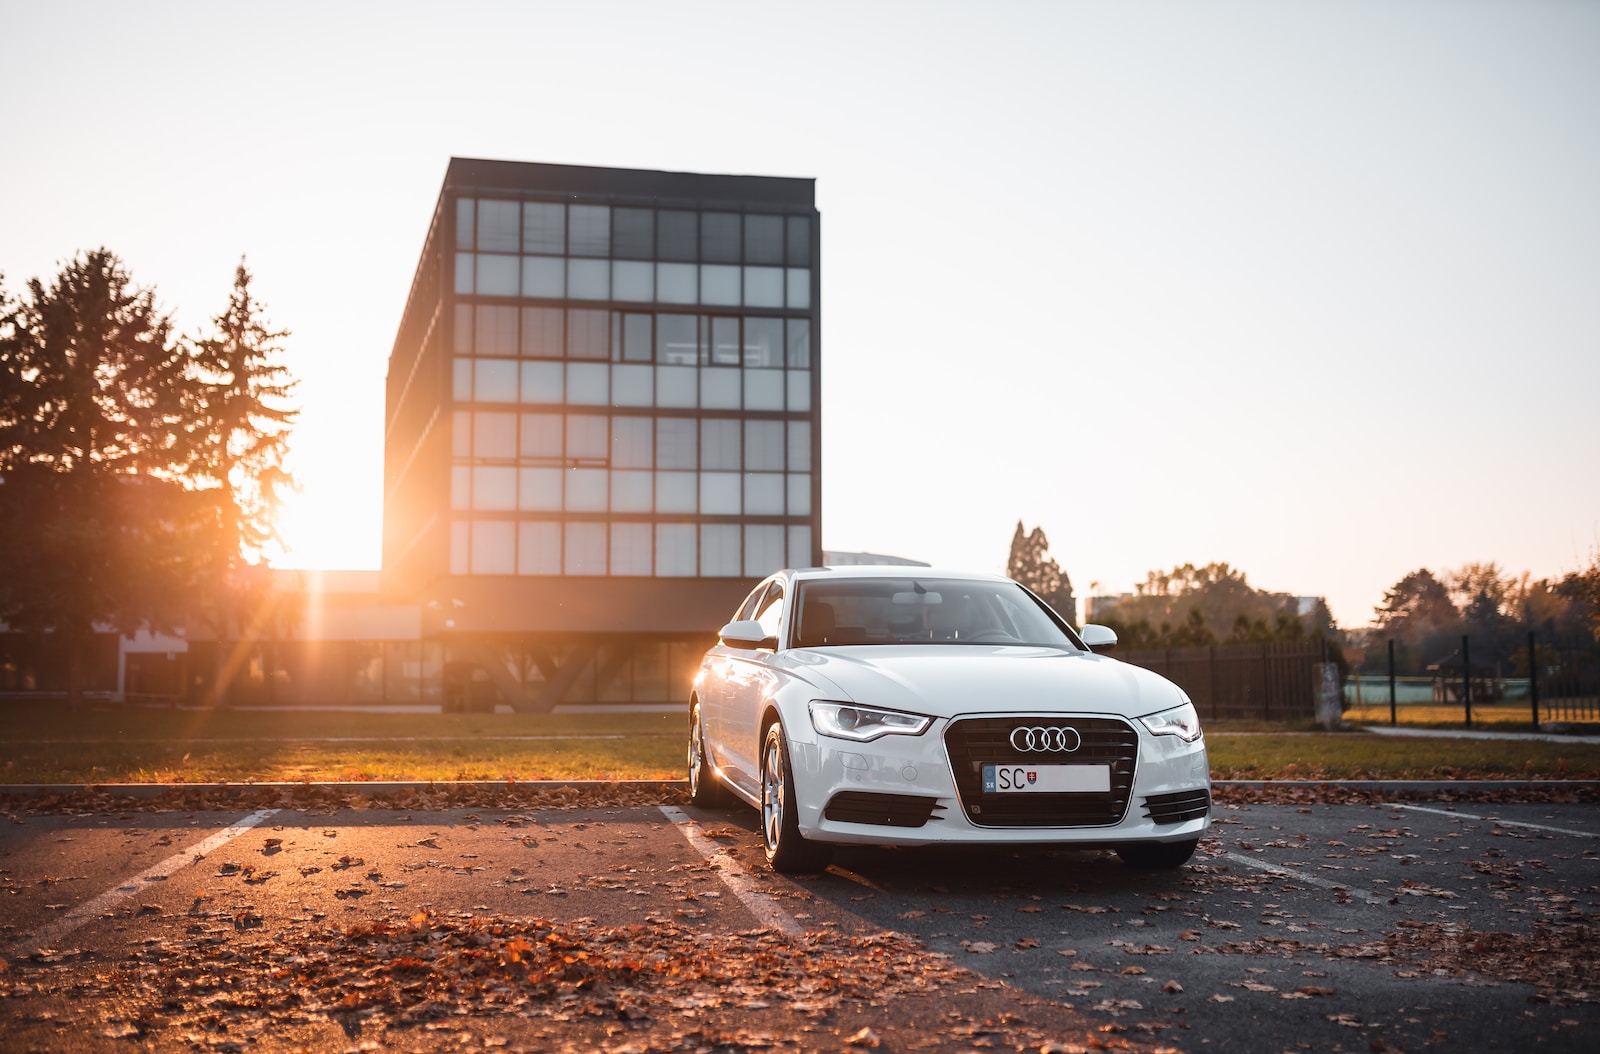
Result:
<point x="1322" y="927"/>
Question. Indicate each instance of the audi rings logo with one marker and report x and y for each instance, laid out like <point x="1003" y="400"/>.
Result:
<point x="1045" y="740"/>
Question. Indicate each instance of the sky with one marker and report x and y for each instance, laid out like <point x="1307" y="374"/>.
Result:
<point x="1310" y="288"/>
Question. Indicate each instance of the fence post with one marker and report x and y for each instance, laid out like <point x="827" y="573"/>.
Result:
<point x="1466" y="678"/>
<point x="1533" y="676"/>
<point x="1392" y="719"/>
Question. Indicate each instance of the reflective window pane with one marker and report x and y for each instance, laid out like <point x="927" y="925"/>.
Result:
<point x="719" y="237"/>
<point x="798" y="287"/>
<point x="588" y="279"/>
<point x="677" y="442"/>
<point x="632" y="546"/>
<point x="589" y="383"/>
<point x="588" y="334"/>
<point x="499" y="226"/>
<point x="588" y="436"/>
<point x="633" y="280"/>
<point x="632" y="385"/>
<point x="679" y="235"/>
<point x="498" y="275"/>
<point x="465" y="224"/>
<point x="494" y="487"/>
<point x="539" y="489"/>
<point x="799" y="487"/>
<point x="678" y="492"/>
<point x="542" y="329"/>
<point x="460" y="546"/>
<point x="719" y="284"/>
<point x="635" y="340"/>
<point x="719" y="389"/>
<point x="800" y="551"/>
<point x="544" y="276"/>
<point x="538" y="548"/>
<point x="589" y="230"/>
<point x="676" y="546"/>
<point x="496" y="330"/>
<point x="763" y="239"/>
<point x="720" y="494"/>
<point x="763" y="389"/>
<point x="725" y="347"/>
<point x="544" y="228"/>
<point x="494" y="545"/>
<point x="799" y="446"/>
<point x="763" y="493"/>
<point x="466" y="264"/>
<point x="587" y="489"/>
<point x="797" y="342"/>
<point x="586" y="549"/>
<point x="461" y="486"/>
<point x="719" y="444"/>
<point x="494" y="435"/>
<point x="763" y="446"/>
<point x="797" y="242"/>
<point x="633" y="234"/>
<point x="677" y="283"/>
<point x="461" y="380"/>
<point x="799" y="389"/>
<point x="543" y="382"/>
<point x="632" y="491"/>
<point x="763" y="549"/>
<point x="461" y="433"/>
<point x="631" y="444"/>
<point x="763" y="286"/>
<point x="677" y="339"/>
<point x="494" y="380"/>
<point x="763" y="342"/>
<point x="541" y="435"/>
<point x="719" y="551"/>
<point x="463" y="329"/>
<point x="677" y="386"/>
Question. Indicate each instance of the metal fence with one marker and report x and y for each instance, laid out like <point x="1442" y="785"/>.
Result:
<point x="1546" y="683"/>
<point x="1276" y="681"/>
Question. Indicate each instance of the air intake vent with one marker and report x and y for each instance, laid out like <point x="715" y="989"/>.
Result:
<point x="882" y="810"/>
<point x="1178" y="807"/>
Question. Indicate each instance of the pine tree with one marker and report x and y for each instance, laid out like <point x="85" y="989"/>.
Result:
<point x="1031" y="564"/>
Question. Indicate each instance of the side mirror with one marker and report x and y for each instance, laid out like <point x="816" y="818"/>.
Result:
<point x="1098" y="638"/>
<point x="746" y="633"/>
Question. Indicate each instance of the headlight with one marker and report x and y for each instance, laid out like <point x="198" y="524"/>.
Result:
<point x="1181" y="721"/>
<point x="863" y="723"/>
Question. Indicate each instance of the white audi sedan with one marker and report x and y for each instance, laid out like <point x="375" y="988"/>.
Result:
<point x="910" y="706"/>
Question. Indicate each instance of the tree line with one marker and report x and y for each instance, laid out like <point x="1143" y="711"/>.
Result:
<point x="140" y="468"/>
<point x="1424" y="614"/>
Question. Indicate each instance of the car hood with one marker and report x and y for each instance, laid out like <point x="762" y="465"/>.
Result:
<point x="944" y="681"/>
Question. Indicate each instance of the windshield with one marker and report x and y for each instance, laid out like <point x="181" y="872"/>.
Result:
<point x="923" y="611"/>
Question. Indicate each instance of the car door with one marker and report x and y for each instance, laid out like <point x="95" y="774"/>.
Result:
<point x="750" y="681"/>
<point x="718" y="667"/>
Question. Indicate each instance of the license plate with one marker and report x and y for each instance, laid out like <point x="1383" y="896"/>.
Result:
<point x="1048" y="779"/>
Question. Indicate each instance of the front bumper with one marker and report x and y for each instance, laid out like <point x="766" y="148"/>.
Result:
<point x="927" y="789"/>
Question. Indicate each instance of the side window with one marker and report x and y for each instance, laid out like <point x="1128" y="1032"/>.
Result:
<point x="752" y="603"/>
<point x="771" y="610"/>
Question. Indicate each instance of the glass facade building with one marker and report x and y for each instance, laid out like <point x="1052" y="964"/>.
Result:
<point x="602" y="417"/>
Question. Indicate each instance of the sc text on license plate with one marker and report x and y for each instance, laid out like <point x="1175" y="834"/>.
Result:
<point x="1049" y="779"/>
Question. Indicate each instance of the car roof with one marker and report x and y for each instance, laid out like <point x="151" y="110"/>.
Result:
<point x="858" y="571"/>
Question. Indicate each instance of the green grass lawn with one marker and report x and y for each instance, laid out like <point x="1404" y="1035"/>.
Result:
<point x="43" y="743"/>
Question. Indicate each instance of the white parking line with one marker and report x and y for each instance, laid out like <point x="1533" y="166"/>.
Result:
<point x="1310" y="880"/>
<point x="1498" y="820"/>
<point x="735" y="877"/>
<point x="46" y="936"/>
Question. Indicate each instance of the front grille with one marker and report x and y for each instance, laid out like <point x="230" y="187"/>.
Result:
<point x="1178" y="807"/>
<point x="883" y="810"/>
<point x="975" y="742"/>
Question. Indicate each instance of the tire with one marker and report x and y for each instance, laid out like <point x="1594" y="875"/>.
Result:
<point x="1157" y="854"/>
<point x="705" y="790"/>
<point x="787" y="852"/>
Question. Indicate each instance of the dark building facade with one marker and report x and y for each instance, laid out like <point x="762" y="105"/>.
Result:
<point x="602" y="422"/>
